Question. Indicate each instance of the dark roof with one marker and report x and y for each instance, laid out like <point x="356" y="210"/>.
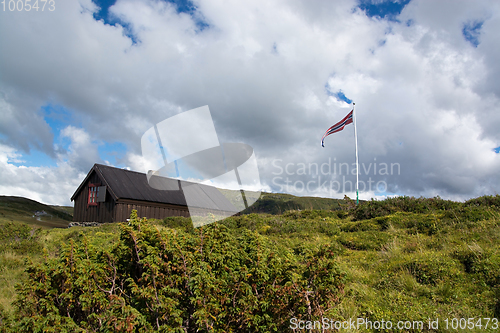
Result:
<point x="125" y="184"/>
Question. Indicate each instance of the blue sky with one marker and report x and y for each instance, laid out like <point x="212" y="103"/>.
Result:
<point x="339" y="95"/>
<point x="181" y="6"/>
<point x="472" y="32"/>
<point x="58" y="118"/>
<point x="105" y="15"/>
<point x="383" y="9"/>
<point x="83" y="86"/>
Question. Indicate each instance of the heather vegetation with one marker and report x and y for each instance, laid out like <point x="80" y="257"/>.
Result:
<point x="401" y="259"/>
<point x="28" y="211"/>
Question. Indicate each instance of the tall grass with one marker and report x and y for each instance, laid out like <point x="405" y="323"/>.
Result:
<point x="403" y="258"/>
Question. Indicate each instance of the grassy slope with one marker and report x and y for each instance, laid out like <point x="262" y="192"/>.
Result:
<point x="277" y="203"/>
<point x="21" y="210"/>
<point x="66" y="209"/>
<point x="400" y="265"/>
<point x="17" y="251"/>
<point x="403" y="266"/>
<point x="15" y="211"/>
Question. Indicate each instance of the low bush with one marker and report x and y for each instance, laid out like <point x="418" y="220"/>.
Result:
<point x="366" y="240"/>
<point x="180" y="222"/>
<point x="421" y="258"/>
<point x="485" y="264"/>
<point x="154" y="279"/>
<point x="20" y="238"/>
<point x="472" y="210"/>
<point x="431" y="269"/>
<point x="360" y="226"/>
<point x="492" y="201"/>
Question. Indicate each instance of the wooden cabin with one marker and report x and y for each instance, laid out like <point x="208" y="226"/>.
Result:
<point x="109" y="194"/>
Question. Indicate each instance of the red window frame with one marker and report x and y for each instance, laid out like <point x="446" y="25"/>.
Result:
<point x="92" y="197"/>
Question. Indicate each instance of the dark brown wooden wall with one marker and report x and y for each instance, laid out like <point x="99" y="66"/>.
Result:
<point x="148" y="210"/>
<point x="103" y="212"/>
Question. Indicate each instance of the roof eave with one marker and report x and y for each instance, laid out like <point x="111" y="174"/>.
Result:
<point x="99" y="173"/>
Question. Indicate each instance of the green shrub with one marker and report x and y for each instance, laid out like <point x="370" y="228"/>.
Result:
<point x="74" y="234"/>
<point x="360" y="226"/>
<point x="470" y="257"/>
<point x="484" y="264"/>
<point x="383" y="222"/>
<point x="489" y="267"/>
<point x="10" y="232"/>
<point x="428" y="224"/>
<point x="496" y="310"/>
<point x="328" y="228"/>
<point x="366" y="240"/>
<point x="372" y="209"/>
<point x="485" y="201"/>
<point x="252" y="273"/>
<point x="178" y="222"/>
<point x="20" y="238"/>
<point x="154" y="279"/>
<point x="425" y="225"/>
<point x="431" y="269"/>
<point x="474" y="214"/>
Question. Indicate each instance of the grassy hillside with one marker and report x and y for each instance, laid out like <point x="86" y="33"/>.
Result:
<point x="401" y="259"/>
<point x="277" y="203"/>
<point x="23" y="210"/>
<point x="66" y="209"/>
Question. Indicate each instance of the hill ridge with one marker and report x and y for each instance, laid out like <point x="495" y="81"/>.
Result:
<point x="15" y="208"/>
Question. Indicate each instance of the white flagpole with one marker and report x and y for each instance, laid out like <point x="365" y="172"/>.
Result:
<point x="356" y="145"/>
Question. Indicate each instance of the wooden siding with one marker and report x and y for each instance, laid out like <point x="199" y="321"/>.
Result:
<point x="102" y="212"/>
<point x="149" y="210"/>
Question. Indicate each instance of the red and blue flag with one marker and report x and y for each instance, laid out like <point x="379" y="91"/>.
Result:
<point x="338" y="127"/>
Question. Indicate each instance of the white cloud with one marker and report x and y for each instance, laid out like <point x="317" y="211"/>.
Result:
<point x="49" y="185"/>
<point x="82" y="152"/>
<point x="426" y="98"/>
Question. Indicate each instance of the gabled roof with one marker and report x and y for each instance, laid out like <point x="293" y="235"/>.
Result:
<point x="125" y="184"/>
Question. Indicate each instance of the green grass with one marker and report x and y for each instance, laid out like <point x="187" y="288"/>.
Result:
<point x="67" y="209"/>
<point x="409" y="260"/>
<point x="22" y="244"/>
<point x="20" y="209"/>
<point x="403" y="259"/>
<point x="278" y="203"/>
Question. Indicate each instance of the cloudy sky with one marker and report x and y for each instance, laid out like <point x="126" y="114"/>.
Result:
<point x="81" y="83"/>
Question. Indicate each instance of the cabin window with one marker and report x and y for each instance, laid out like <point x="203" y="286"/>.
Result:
<point x="93" y="194"/>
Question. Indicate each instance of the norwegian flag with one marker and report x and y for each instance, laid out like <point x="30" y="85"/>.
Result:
<point x="337" y="127"/>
